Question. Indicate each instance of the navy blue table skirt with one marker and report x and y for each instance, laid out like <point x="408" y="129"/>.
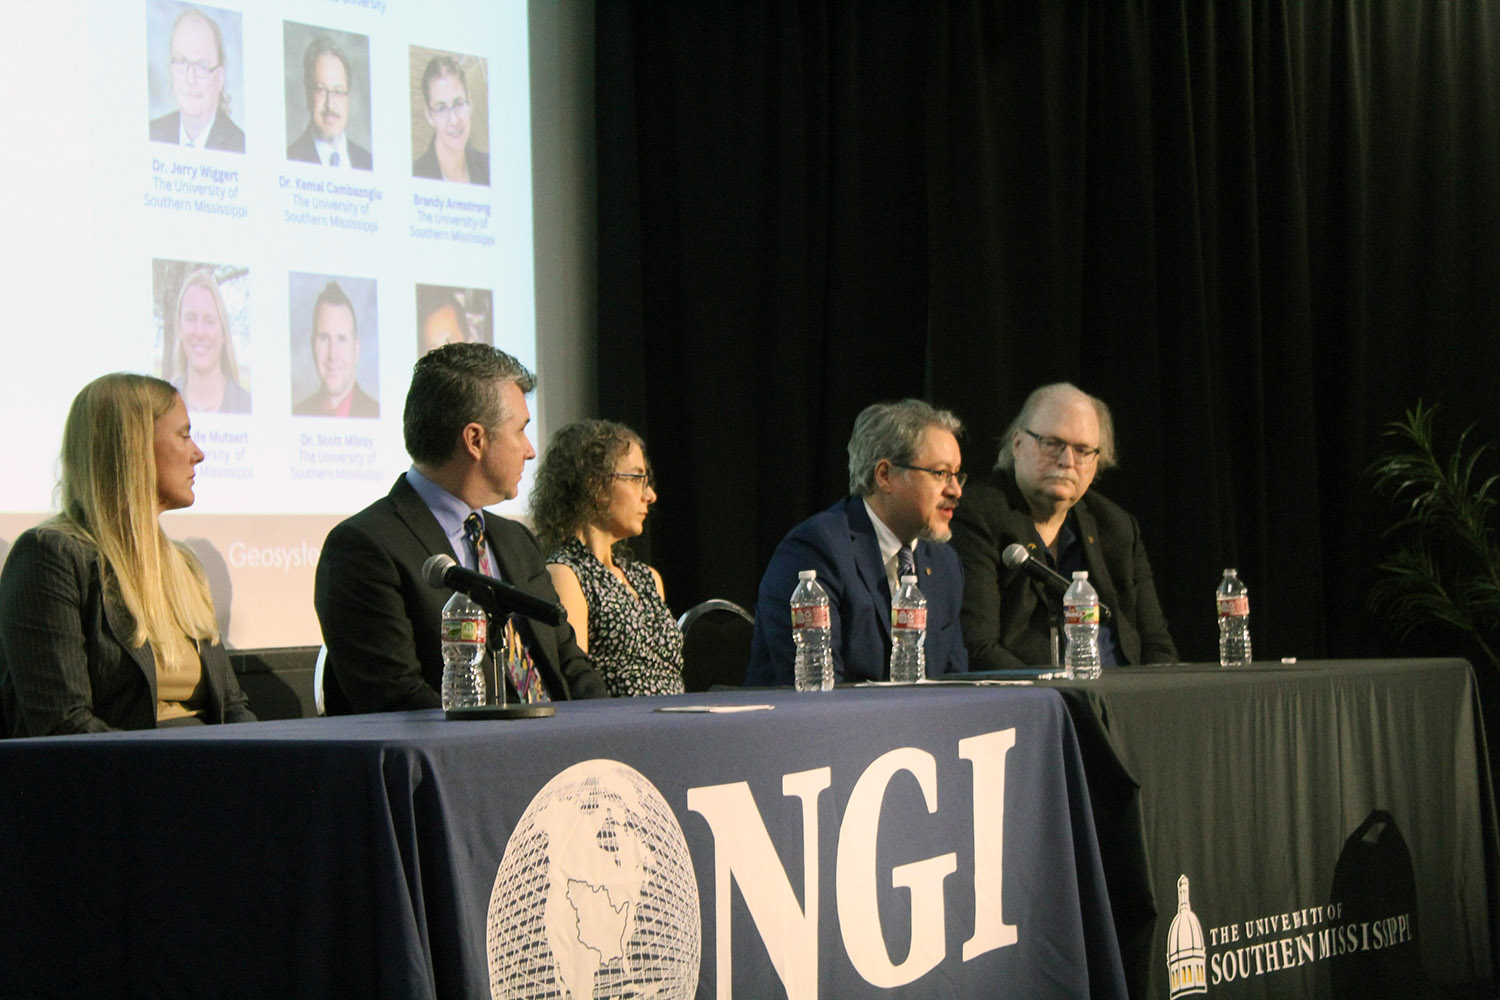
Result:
<point x="860" y="843"/>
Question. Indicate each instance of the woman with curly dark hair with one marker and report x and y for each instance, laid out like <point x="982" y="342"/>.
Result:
<point x="593" y="491"/>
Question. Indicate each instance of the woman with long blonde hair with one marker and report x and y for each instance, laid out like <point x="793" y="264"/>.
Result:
<point x="205" y="369"/>
<point x="104" y="622"/>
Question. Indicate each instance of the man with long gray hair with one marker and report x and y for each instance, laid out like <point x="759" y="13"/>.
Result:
<point x="196" y="51"/>
<point x="904" y="484"/>
<point x="1038" y="497"/>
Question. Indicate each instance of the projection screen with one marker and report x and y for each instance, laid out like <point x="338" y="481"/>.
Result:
<point x="192" y="189"/>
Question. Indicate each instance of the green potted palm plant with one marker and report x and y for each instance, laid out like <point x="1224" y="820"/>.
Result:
<point x="1444" y="572"/>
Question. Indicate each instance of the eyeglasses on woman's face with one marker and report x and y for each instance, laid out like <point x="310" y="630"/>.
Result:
<point x="442" y="112"/>
<point x="644" y="480"/>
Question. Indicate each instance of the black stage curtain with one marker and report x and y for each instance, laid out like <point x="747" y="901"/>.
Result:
<point x="1259" y="231"/>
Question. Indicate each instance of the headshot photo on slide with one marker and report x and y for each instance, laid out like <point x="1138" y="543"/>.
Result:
<point x="327" y="96"/>
<point x="194" y="76"/>
<point x="335" y="348"/>
<point x="449" y="117"/>
<point x="449" y="315"/>
<point x="202" y="318"/>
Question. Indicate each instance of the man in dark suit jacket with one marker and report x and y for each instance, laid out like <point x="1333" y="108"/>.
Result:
<point x="465" y="425"/>
<point x="305" y="150"/>
<point x="1039" y="496"/>
<point x="905" y="483"/>
<point x="327" y="83"/>
<point x="202" y="115"/>
<point x="222" y="134"/>
<point x="335" y="351"/>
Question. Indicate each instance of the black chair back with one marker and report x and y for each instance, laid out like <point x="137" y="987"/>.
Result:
<point x="715" y="645"/>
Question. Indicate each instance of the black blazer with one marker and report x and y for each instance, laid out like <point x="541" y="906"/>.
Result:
<point x="225" y="134"/>
<point x="380" y="618"/>
<point x="305" y="150"/>
<point x="1007" y="615"/>
<point x="426" y="165"/>
<point x="66" y="663"/>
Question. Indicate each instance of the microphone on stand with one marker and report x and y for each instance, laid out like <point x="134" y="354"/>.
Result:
<point x="1016" y="556"/>
<point x="495" y="596"/>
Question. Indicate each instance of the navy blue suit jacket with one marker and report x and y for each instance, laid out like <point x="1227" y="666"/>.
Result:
<point x="840" y="544"/>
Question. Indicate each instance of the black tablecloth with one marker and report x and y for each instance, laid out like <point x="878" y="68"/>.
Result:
<point x="409" y="856"/>
<point x="1328" y="825"/>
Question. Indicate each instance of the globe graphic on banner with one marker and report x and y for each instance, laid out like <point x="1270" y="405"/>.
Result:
<point x="595" y="896"/>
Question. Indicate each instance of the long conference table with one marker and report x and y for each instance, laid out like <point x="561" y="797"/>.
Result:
<point x="932" y="842"/>
<point x="1317" y="830"/>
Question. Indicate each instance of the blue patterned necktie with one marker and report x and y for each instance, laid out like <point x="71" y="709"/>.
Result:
<point x="906" y="563"/>
<point x="518" y="666"/>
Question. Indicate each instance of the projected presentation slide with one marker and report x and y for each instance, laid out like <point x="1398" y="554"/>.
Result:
<point x="277" y="207"/>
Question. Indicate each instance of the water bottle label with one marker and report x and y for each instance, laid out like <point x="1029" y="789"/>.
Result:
<point x="465" y="629"/>
<point x="1082" y="614"/>
<point x="910" y="618"/>
<point x="810" y="617"/>
<point x="1234" y="607"/>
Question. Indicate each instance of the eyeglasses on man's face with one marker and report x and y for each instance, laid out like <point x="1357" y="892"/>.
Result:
<point x="1053" y="448"/>
<point x="943" y="476"/>
<point x="193" y="67"/>
<point x="323" y="93"/>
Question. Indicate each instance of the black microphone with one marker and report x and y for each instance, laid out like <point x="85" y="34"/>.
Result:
<point x="495" y="596"/>
<point x="1016" y="556"/>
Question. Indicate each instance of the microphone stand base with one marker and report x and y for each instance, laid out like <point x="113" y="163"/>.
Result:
<point x="539" y="711"/>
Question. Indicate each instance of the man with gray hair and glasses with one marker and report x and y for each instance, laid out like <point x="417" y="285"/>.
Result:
<point x="1038" y="497"/>
<point x="905" y="481"/>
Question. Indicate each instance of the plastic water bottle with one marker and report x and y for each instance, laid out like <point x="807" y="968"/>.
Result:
<point x="465" y="635"/>
<point x="812" y="631"/>
<point x="1234" y="621"/>
<point x="908" y="633"/>
<point x="1081" y="626"/>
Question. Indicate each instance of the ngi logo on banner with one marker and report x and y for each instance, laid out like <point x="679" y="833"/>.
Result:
<point x="596" y="896"/>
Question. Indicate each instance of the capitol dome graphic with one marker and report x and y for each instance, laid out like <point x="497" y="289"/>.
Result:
<point x="1185" y="955"/>
<point x="595" y="896"/>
